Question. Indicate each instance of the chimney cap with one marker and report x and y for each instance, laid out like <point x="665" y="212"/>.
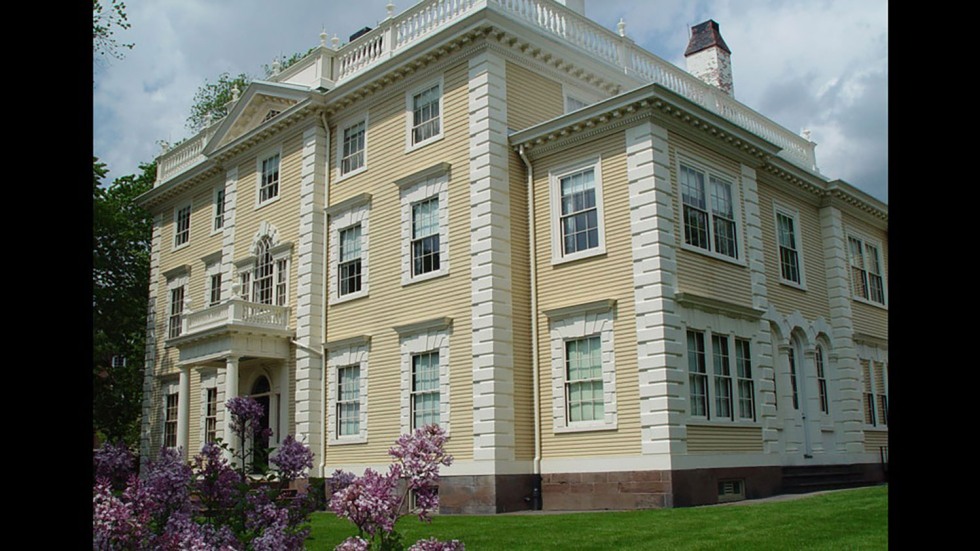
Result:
<point x="705" y="35"/>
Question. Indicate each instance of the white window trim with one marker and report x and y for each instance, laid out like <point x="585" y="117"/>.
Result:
<point x="866" y="240"/>
<point x="173" y="238"/>
<point x="557" y="238"/>
<point x="410" y="110"/>
<point x="574" y="323"/>
<point x="214" y="210"/>
<point x="179" y="279"/>
<point x="209" y="380"/>
<point x="351" y="352"/>
<point x="263" y="156"/>
<point x="431" y="185"/>
<point x="794" y="215"/>
<point x="740" y="242"/>
<point x="355" y="211"/>
<point x="211" y="269"/>
<point x="710" y="330"/>
<point x="341" y="127"/>
<point x="878" y="360"/>
<point x="420" y="338"/>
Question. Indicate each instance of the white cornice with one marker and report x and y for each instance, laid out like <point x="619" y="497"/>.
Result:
<point x="434" y="324"/>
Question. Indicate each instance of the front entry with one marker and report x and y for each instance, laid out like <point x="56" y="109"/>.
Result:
<point x="262" y="393"/>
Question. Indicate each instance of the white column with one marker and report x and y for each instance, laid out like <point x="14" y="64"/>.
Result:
<point x="183" y="409"/>
<point x="231" y="391"/>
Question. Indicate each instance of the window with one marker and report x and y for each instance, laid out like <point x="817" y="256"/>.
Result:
<point x="182" y="225"/>
<point x="170" y="421"/>
<point x="245" y="279"/>
<point x="349" y="267"/>
<point x="425" y="389"/>
<point x="425" y="236"/>
<point x="425" y="368"/>
<point x="867" y="279"/>
<point x="583" y="376"/>
<point x="215" y="289"/>
<point x="788" y="243"/>
<point x="577" y="203"/>
<point x="425" y="224"/>
<point x="264" y="278"/>
<point x="731" y="392"/>
<point x="709" y="211"/>
<point x="210" y="414"/>
<point x="353" y="147"/>
<point x="821" y="380"/>
<point x="792" y="375"/>
<point x="219" y="209"/>
<point x="746" y="385"/>
<point x="348" y="400"/>
<point x="425" y="108"/>
<point x="269" y="178"/>
<point x="118" y="361"/>
<point x="583" y="367"/>
<point x="697" y="373"/>
<point x="875" y="393"/>
<point x="176" y="311"/>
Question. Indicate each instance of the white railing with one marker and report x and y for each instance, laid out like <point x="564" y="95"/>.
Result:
<point x="236" y="311"/>
<point x="183" y="156"/>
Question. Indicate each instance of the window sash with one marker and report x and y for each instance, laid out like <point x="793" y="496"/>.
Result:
<point x="697" y="374"/>
<point x="182" y="231"/>
<point x="425" y="389"/>
<point x="579" y="218"/>
<point x="584" y="398"/>
<point x="425" y="115"/>
<point x="792" y="377"/>
<point x="281" y="273"/>
<point x="211" y="415"/>
<point x="789" y="261"/>
<point x="425" y="236"/>
<point x="716" y="231"/>
<point x="215" y="294"/>
<point x="219" y="209"/>
<point x="170" y="421"/>
<point x="723" y="377"/>
<point x="176" y="311"/>
<point x="723" y="217"/>
<point x="348" y="400"/>
<point x="746" y="384"/>
<point x="353" y="148"/>
<point x="821" y="381"/>
<point x="245" y="279"/>
<point x="269" y="188"/>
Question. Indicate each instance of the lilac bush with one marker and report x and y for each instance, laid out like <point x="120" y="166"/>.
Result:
<point x="208" y="504"/>
<point x="373" y="502"/>
<point x="114" y="463"/>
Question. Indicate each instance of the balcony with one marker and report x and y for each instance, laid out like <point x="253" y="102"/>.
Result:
<point x="234" y="327"/>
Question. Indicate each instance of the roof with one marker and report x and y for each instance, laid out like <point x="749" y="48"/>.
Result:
<point x="705" y="35"/>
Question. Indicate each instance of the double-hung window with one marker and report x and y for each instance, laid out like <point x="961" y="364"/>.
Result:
<point x="349" y="267"/>
<point x="709" y="211"/>
<point x="182" y="225"/>
<point x="219" y="209"/>
<point x="867" y="279"/>
<point x="725" y="393"/>
<point x="583" y="382"/>
<point x="268" y="178"/>
<point x="821" y="379"/>
<point x="788" y="242"/>
<point x="210" y="414"/>
<point x="215" y="289"/>
<point x="425" y="389"/>
<point x="348" y="400"/>
<point x="425" y="114"/>
<point x="353" y="147"/>
<point x="425" y="236"/>
<point x="577" y="203"/>
<point x="170" y="421"/>
<point x="875" y="392"/>
<point x="175" y="319"/>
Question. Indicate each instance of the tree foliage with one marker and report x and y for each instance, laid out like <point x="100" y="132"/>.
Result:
<point x="212" y="98"/>
<point x="105" y="20"/>
<point x="120" y="281"/>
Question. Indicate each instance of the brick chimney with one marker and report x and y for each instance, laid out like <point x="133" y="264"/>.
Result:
<point x="709" y="58"/>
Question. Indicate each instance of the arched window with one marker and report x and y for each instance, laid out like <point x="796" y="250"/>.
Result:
<point x="794" y="356"/>
<point x="821" y="379"/>
<point x="264" y="279"/>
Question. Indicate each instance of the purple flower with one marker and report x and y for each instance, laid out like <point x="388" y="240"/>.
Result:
<point x="167" y="483"/>
<point x="352" y="543"/>
<point x="420" y="455"/>
<point x="292" y="459"/>
<point x="216" y="483"/>
<point x="370" y="502"/>
<point x="339" y="480"/>
<point x="114" y="462"/>
<point x="245" y="415"/>
<point x="432" y="544"/>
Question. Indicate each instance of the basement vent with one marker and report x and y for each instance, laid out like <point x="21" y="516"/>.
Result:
<point x="731" y="490"/>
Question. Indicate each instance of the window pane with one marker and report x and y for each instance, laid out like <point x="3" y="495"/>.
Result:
<point x="583" y="374"/>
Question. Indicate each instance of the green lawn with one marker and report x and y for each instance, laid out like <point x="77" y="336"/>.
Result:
<point x="850" y="519"/>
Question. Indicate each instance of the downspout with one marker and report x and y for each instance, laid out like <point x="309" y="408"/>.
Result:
<point x="532" y="239"/>
<point x="323" y="306"/>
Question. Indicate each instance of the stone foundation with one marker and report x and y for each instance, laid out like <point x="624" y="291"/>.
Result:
<point x="485" y="494"/>
<point x="598" y="491"/>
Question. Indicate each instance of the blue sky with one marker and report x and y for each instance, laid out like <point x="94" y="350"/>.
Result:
<point x="816" y="65"/>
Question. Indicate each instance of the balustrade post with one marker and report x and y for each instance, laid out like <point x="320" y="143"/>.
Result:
<point x="388" y="41"/>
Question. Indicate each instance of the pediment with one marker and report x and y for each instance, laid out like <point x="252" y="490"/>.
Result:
<point x="260" y="103"/>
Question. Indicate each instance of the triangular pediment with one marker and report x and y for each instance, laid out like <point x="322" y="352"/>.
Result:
<point x="260" y="103"/>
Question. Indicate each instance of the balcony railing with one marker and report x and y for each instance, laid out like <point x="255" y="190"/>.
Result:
<point x="237" y="312"/>
<point x="184" y="155"/>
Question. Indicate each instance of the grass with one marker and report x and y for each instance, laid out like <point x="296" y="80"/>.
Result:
<point x="850" y="519"/>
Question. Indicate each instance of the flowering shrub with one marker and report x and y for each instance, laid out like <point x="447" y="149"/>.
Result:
<point x="206" y="505"/>
<point x="373" y="502"/>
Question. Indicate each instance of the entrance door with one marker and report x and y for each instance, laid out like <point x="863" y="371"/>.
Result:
<point x="261" y="392"/>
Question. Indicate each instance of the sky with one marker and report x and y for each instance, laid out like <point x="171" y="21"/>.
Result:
<point x="819" y="65"/>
